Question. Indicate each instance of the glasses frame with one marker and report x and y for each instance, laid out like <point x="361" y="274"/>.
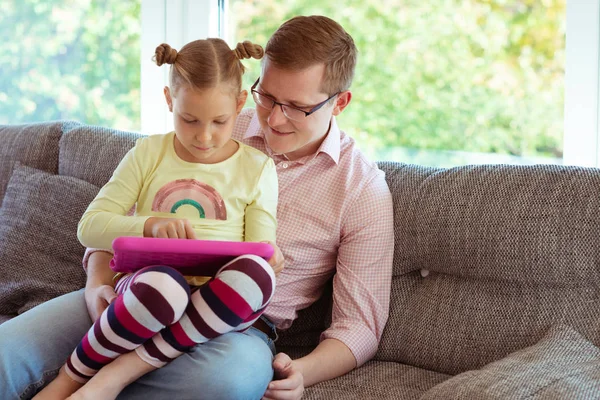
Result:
<point x="306" y="113"/>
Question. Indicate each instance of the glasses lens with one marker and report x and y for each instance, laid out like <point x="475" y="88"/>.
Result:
<point x="292" y="113"/>
<point x="262" y="101"/>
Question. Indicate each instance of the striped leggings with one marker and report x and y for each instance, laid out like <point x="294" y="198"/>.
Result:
<point x="160" y="317"/>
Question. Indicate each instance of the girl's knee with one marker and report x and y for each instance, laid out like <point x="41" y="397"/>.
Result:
<point x="161" y="288"/>
<point x="252" y="277"/>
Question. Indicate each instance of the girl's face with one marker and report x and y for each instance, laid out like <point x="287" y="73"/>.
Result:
<point x="203" y="121"/>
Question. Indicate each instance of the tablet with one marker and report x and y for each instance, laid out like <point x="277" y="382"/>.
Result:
<point x="190" y="257"/>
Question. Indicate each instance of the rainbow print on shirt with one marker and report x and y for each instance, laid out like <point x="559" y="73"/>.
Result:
<point x="190" y="192"/>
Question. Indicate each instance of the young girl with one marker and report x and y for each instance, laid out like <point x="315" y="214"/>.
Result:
<point x="196" y="182"/>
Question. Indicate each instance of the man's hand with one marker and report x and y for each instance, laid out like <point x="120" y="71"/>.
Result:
<point x="170" y="228"/>
<point x="98" y="298"/>
<point x="289" y="381"/>
<point x="276" y="261"/>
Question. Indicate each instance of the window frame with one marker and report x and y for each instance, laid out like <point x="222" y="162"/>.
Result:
<point x="175" y="22"/>
<point x="580" y="136"/>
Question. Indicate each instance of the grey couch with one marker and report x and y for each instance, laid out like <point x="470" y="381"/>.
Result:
<point x="496" y="286"/>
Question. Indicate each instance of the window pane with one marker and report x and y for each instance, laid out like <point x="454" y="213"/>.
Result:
<point x="442" y="82"/>
<point x="70" y="59"/>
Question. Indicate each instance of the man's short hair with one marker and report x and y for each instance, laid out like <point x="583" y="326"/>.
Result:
<point x="304" y="41"/>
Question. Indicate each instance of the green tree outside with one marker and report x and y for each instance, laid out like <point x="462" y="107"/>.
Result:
<point x="446" y="75"/>
<point x="70" y="59"/>
<point x="468" y="75"/>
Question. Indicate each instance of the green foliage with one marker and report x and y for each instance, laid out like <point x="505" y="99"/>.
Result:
<point x="478" y="75"/>
<point x="469" y="75"/>
<point x="70" y="59"/>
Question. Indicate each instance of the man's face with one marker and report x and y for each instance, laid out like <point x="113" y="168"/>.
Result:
<point x="300" y="89"/>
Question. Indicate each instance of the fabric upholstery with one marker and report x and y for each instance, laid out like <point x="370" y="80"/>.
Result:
<point x="35" y="145"/>
<point x="563" y="364"/>
<point x="511" y="251"/>
<point x="377" y="380"/>
<point x="92" y="153"/>
<point x="40" y="256"/>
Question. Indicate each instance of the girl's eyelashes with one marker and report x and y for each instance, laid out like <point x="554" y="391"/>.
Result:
<point x="192" y="121"/>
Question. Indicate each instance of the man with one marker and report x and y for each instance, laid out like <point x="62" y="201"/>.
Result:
<point x="334" y="219"/>
<point x="335" y="213"/>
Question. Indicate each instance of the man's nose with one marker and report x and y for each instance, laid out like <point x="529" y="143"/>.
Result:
<point x="277" y="117"/>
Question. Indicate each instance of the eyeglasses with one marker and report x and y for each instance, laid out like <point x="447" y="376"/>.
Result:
<point x="289" y="111"/>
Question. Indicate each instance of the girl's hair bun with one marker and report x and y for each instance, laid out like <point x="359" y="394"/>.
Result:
<point x="164" y="54"/>
<point x="247" y="49"/>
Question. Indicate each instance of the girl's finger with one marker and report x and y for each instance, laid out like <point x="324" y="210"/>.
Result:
<point x="189" y="231"/>
<point x="181" y="230"/>
<point x="171" y="232"/>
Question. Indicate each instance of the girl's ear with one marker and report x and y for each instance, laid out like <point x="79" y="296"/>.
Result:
<point x="168" y="98"/>
<point x="241" y="100"/>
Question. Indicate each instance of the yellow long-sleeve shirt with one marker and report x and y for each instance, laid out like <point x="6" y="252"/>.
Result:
<point x="235" y="199"/>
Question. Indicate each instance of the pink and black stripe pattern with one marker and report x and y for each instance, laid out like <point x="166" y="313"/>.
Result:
<point x="155" y="303"/>
<point x="149" y="300"/>
<point x="232" y="301"/>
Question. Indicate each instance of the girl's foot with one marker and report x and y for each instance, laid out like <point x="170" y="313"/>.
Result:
<point x="60" y="388"/>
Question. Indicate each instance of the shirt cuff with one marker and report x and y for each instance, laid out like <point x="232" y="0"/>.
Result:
<point x="358" y="337"/>
<point x="86" y="257"/>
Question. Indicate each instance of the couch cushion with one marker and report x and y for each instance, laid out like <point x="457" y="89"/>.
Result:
<point x="92" y="153"/>
<point x="35" y="145"/>
<point x="563" y="364"/>
<point x="40" y="256"/>
<point x="530" y="224"/>
<point x="405" y="181"/>
<point x="512" y="250"/>
<point x="377" y="380"/>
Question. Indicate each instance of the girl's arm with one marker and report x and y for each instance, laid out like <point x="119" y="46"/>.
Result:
<point x="106" y="217"/>
<point x="99" y="291"/>
<point x="260" y="218"/>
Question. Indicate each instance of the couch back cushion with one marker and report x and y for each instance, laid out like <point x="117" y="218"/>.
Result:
<point x="35" y="145"/>
<point x="40" y="257"/>
<point x="92" y="153"/>
<point x="510" y="250"/>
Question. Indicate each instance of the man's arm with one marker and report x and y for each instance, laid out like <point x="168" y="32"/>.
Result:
<point x="361" y="292"/>
<point x="330" y="359"/>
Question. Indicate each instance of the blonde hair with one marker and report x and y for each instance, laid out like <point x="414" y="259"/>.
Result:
<point x="302" y="42"/>
<point x="206" y="63"/>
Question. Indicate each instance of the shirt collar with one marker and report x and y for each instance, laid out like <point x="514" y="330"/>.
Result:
<point x="330" y="146"/>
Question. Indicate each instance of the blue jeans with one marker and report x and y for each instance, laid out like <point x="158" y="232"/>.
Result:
<point x="36" y="344"/>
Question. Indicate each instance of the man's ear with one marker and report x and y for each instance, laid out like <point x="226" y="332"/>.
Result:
<point x="341" y="102"/>
<point x="241" y="100"/>
<point x="168" y="98"/>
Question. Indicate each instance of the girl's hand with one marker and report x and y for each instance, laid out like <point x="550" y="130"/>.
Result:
<point x="276" y="261"/>
<point x="98" y="298"/>
<point x="170" y="228"/>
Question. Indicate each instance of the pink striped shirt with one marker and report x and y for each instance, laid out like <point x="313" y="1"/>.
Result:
<point x="334" y="216"/>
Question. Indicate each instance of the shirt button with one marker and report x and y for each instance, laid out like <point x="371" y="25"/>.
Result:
<point x="285" y="165"/>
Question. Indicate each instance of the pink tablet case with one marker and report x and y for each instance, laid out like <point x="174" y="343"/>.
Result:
<point x="190" y="257"/>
